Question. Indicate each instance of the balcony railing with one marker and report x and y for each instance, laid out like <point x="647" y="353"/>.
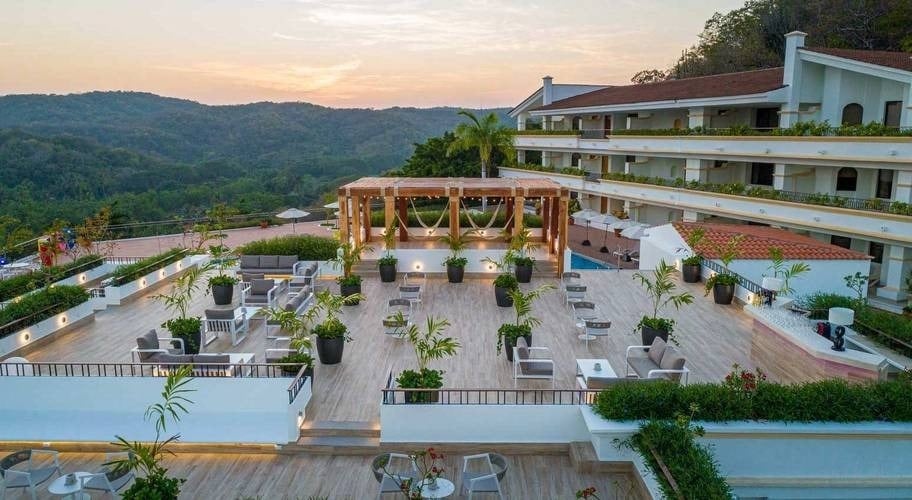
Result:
<point x="802" y="129"/>
<point x="490" y="396"/>
<point x="743" y="282"/>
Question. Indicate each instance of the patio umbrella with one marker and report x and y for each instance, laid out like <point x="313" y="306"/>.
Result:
<point x="586" y="214"/>
<point x="294" y="214"/>
<point x="634" y="232"/>
<point x="624" y="224"/>
<point x="330" y="206"/>
<point x="603" y="220"/>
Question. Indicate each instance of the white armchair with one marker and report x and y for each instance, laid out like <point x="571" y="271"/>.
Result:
<point x="33" y="474"/>
<point x="109" y="479"/>
<point x="231" y="321"/>
<point x="532" y="362"/>
<point x="485" y="481"/>
<point x="259" y="292"/>
<point x="150" y="344"/>
<point x="660" y="361"/>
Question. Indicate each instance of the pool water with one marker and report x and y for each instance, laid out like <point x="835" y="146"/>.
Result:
<point x="578" y="261"/>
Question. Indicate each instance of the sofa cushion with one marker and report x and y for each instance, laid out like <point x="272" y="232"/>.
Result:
<point x="148" y="340"/>
<point x="261" y="287"/>
<point x="171" y="359"/>
<point x="219" y="313"/>
<point x="269" y="261"/>
<point x="536" y="368"/>
<point x="248" y="277"/>
<point x="311" y="269"/>
<point x="212" y="358"/>
<point x="672" y="360"/>
<point x="287" y="261"/>
<point x="250" y="261"/>
<point x="641" y="365"/>
<point x="657" y="349"/>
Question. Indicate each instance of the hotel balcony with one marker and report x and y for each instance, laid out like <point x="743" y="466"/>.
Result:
<point x="874" y="225"/>
<point x="880" y="152"/>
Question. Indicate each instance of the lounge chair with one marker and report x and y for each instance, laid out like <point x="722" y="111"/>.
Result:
<point x="527" y="365"/>
<point x="412" y="293"/>
<point x="399" y="468"/>
<point x="30" y="476"/>
<point x="485" y="481"/>
<point x="108" y="479"/>
<point x="149" y="346"/>
<point x="232" y="321"/>
<point x="595" y="329"/>
<point x="574" y="294"/>
<point x="259" y="293"/>
<point x="660" y="361"/>
<point x="584" y="311"/>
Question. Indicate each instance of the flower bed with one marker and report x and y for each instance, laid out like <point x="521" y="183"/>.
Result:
<point x="130" y="272"/>
<point x="18" y="285"/>
<point x="37" y="307"/>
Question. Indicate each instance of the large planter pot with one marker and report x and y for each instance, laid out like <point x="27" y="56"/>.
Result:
<point x="192" y="342"/>
<point x="347" y="290"/>
<point x="222" y="294"/>
<point x="330" y="350"/>
<point x="502" y="295"/>
<point x="723" y="294"/>
<point x="455" y="273"/>
<point x="387" y="273"/>
<point x="422" y="397"/>
<point x="648" y="334"/>
<point x="690" y="273"/>
<point x="508" y="346"/>
<point x="523" y="273"/>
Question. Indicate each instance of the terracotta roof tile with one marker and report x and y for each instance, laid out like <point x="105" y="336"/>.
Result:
<point x="758" y="239"/>
<point x="896" y="60"/>
<point x="729" y="84"/>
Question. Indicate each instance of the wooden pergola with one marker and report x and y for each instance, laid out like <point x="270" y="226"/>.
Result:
<point x="355" y="204"/>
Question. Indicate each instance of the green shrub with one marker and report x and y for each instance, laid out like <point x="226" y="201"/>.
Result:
<point x="876" y="323"/>
<point x="692" y="466"/>
<point x="821" y="401"/>
<point x="129" y="272"/>
<point x="306" y="247"/>
<point x="18" y="285"/>
<point x="54" y="299"/>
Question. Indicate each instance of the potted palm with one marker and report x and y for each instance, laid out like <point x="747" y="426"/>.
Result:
<point x="660" y="287"/>
<point x="297" y="329"/>
<point x="455" y="263"/>
<point x="723" y="284"/>
<point x="347" y="256"/>
<point x="523" y="246"/>
<point x="429" y="344"/>
<point x="331" y="333"/>
<point x="522" y="326"/>
<point x="177" y="300"/>
<point x="691" y="267"/>
<point x="505" y="281"/>
<point x="387" y="263"/>
<point x="786" y="273"/>
<point x="222" y="285"/>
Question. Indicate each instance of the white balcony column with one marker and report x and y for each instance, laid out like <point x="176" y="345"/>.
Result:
<point x="521" y="156"/>
<point x="696" y="169"/>
<point x="903" y="186"/>
<point x="825" y="180"/>
<point x="897" y="265"/>
<point x="521" y="121"/>
<point x="698" y="117"/>
<point x="791" y="77"/>
<point x="781" y="181"/>
<point x="906" y="119"/>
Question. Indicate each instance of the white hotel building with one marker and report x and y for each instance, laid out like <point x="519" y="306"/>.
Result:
<point x="867" y="180"/>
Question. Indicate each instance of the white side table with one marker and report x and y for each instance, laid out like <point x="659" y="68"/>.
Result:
<point x="445" y="488"/>
<point x="585" y="368"/>
<point x="70" y="491"/>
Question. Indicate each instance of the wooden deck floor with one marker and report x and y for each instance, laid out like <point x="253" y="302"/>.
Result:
<point x="242" y="476"/>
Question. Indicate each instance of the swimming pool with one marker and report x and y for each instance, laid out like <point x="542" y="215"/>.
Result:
<point x="578" y="261"/>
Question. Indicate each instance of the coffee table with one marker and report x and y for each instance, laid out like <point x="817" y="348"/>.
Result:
<point x="585" y="368"/>
<point x="72" y="491"/>
<point x="445" y="488"/>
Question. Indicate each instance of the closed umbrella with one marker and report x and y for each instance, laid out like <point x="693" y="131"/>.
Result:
<point x="294" y="214"/>
<point x="624" y="224"/>
<point x="634" y="232"/>
<point x="602" y="221"/>
<point x="582" y="215"/>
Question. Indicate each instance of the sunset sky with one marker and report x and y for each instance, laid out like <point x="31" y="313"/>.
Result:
<point x="355" y="53"/>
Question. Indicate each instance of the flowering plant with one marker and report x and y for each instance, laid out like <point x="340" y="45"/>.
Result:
<point x="428" y="465"/>
<point x="587" y="493"/>
<point x="742" y="381"/>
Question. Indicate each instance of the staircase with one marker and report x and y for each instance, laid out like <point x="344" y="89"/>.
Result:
<point x="326" y="437"/>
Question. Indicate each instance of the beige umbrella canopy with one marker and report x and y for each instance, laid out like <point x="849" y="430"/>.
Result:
<point x="294" y="214"/>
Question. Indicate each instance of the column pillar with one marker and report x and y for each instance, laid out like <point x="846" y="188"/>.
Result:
<point x="555" y="214"/>
<point x="903" y="188"/>
<point x="791" y="78"/>
<point x="546" y="220"/>
<point x="518" y="204"/>
<point x="454" y="216"/>
<point x="780" y="178"/>
<point x="344" y="228"/>
<point x="562" y="233"/>
<point x="896" y="267"/>
<point x="905" y="120"/>
<point x="509" y="225"/>
<point x="356" y="220"/>
<point x="366" y="204"/>
<point x="389" y="215"/>
<point x="603" y="204"/>
<point x="403" y="215"/>
<point x="695" y="170"/>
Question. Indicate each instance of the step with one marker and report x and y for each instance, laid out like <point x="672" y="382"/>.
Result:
<point x="334" y="445"/>
<point x="586" y="461"/>
<point x="335" y="428"/>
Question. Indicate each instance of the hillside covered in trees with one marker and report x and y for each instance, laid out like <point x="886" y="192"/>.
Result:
<point x="751" y="37"/>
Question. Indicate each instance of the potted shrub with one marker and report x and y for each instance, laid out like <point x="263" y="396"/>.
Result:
<point x="660" y="288"/>
<point x="331" y="333"/>
<point x="522" y="326"/>
<point x="294" y="362"/>
<point x="455" y="263"/>
<point x="177" y="300"/>
<point x="691" y="267"/>
<point x="503" y="285"/>
<point x="429" y="344"/>
<point x="347" y="256"/>
<point x="296" y="328"/>
<point x="723" y="284"/>
<point x="387" y="263"/>
<point x="522" y="261"/>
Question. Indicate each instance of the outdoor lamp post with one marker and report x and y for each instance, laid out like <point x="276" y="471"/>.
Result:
<point x="770" y="286"/>
<point x="586" y="242"/>
<point x="841" y="317"/>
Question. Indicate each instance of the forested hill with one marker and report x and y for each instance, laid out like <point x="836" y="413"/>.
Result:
<point x="63" y="157"/>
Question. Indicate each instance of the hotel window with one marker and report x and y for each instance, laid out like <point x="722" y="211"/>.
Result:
<point x="875" y="250"/>
<point x="630" y="159"/>
<point x="575" y="160"/>
<point x="767" y="118"/>
<point x="847" y="179"/>
<point x="577" y="123"/>
<point x="852" y="114"/>
<point x="762" y="174"/>
<point x="884" y="184"/>
<point x="841" y="241"/>
<point x="892" y="111"/>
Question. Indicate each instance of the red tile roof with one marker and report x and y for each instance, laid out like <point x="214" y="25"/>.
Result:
<point x="729" y="84"/>
<point x="896" y="60"/>
<point x="757" y="240"/>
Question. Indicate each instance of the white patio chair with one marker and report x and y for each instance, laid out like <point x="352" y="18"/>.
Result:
<point x="584" y="311"/>
<point x="108" y="479"/>
<point x="392" y="324"/>
<point x="532" y="362"/>
<point x="32" y="474"/>
<point x="480" y="482"/>
<point x="403" y="468"/>
<point x="231" y="321"/>
<point x="595" y="329"/>
<point x="260" y="292"/>
<point x="574" y="294"/>
<point x="570" y="278"/>
<point x="412" y="293"/>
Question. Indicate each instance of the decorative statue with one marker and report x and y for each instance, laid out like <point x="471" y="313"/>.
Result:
<point x="838" y="340"/>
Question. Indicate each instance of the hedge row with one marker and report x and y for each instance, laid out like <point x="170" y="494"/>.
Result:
<point x="868" y="320"/>
<point x="129" y="272"/>
<point x="822" y="401"/>
<point x="54" y="299"/>
<point x="429" y="217"/>
<point x="306" y="247"/>
<point x="18" y="285"/>
<point x="692" y="466"/>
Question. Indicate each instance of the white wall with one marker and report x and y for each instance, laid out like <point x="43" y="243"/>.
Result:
<point x="50" y="326"/>
<point x="434" y="423"/>
<point x="431" y="260"/>
<point x="825" y="275"/>
<point x="842" y="87"/>
<point x="115" y="295"/>
<point x="98" y="408"/>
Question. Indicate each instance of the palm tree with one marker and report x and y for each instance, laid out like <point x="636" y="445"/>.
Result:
<point x="487" y="135"/>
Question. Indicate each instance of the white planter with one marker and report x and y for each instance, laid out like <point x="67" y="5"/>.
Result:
<point x="49" y="326"/>
<point x="116" y="295"/>
<point x="88" y="276"/>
